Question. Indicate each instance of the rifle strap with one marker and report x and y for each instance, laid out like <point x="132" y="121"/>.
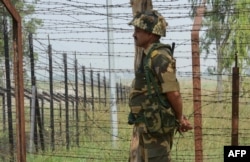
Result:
<point x="151" y="81"/>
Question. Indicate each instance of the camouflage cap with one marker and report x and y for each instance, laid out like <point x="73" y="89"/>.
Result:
<point x="150" y="21"/>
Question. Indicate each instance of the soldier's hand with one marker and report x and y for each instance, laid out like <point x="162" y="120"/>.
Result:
<point x="184" y="125"/>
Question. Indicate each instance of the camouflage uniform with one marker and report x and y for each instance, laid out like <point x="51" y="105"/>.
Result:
<point x="152" y="116"/>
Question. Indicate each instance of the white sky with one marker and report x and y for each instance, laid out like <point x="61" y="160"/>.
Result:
<point x="76" y="29"/>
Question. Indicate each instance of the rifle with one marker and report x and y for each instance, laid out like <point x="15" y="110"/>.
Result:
<point x="172" y="48"/>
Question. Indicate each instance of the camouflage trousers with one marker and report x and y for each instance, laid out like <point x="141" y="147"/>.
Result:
<point x="146" y="147"/>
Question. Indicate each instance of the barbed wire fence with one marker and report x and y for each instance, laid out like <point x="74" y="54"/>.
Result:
<point x="76" y="51"/>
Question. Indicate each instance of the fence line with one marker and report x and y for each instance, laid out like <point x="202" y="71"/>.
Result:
<point x="90" y="98"/>
<point x="85" y="96"/>
<point x="71" y="108"/>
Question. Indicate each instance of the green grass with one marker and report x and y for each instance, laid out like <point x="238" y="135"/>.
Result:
<point x="95" y="138"/>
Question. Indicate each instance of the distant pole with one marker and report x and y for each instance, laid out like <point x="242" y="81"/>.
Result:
<point x="33" y="117"/>
<point x="33" y="83"/>
<point x="51" y="89"/>
<point x="197" y="82"/>
<point x="77" y="102"/>
<point x="8" y="87"/>
<point x="66" y="100"/>
<point x="112" y="102"/>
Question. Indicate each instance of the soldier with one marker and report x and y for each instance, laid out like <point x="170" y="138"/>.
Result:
<point x="155" y="101"/>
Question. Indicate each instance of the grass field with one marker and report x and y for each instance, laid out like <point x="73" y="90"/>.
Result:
<point x="95" y="132"/>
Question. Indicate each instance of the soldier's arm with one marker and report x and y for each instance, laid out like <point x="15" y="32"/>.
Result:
<point x="175" y="100"/>
<point x="164" y="66"/>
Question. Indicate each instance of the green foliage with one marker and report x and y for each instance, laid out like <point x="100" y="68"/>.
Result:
<point x="241" y="31"/>
<point x="29" y="25"/>
<point x="226" y="23"/>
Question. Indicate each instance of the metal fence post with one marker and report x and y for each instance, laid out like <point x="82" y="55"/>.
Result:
<point x="235" y="103"/>
<point x="197" y="82"/>
<point x="18" y="74"/>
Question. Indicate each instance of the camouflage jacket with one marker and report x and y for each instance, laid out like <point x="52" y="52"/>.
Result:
<point x="162" y="65"/>
<point x="153" y="79"/>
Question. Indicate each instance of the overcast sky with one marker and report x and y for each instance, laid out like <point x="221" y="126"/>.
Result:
<point x="80" y="27"/>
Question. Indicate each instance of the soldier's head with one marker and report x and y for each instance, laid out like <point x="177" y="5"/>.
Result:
<point x="151" y="21"/>
<point x="149" y="27"/>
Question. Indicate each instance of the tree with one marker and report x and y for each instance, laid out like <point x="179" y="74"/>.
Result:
<point x="224" y="34"/>
<point x="240" y="39"/>
<point x="240" y="36"/>
<point x="29" y="25"/>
